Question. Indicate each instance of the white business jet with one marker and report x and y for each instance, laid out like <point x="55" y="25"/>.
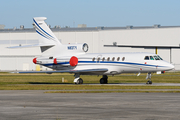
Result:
<point x="72" y="58"/>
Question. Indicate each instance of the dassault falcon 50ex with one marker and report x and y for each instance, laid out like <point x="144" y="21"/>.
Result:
<point x="72" y="58"/>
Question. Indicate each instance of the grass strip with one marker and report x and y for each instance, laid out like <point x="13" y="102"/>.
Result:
<point x="54" y="81"/>
<point x="88" y="79"/>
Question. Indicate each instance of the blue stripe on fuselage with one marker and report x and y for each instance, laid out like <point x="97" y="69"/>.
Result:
<point x="112" y="62"/>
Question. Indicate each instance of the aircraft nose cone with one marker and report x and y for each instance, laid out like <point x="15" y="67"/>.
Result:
<point x="171" y="66"/>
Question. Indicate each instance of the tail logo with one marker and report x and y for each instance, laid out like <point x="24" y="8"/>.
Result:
<point x="42" y="32"/>
<point x="72" y="47"/>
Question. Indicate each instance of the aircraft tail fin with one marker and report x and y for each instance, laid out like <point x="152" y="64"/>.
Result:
<point x="46" y="36"/>
<point x="47" y="39"/>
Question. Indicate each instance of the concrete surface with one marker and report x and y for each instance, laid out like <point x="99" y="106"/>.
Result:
<point x="138" y="84"/>
<point x="36" y="105"/>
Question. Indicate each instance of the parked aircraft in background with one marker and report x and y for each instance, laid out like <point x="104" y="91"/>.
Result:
<point x="72" y="58"/>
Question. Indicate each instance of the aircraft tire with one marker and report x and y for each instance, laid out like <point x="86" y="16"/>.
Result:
<point x="80" y="81"/>
<point x="149" y="82"/>
<point x="105" y="81"/>
<point x="102" y="81"/>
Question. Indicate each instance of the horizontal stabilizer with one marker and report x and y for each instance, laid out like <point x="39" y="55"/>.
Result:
<point x="30" y="46"/>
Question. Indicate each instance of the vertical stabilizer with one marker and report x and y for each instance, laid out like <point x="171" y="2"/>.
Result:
<point x="46" y="36"/>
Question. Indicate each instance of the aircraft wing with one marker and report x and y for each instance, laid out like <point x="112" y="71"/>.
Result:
<point x="69" y="71"/>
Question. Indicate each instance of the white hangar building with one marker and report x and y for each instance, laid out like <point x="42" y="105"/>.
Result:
<point x="96" y="38"/>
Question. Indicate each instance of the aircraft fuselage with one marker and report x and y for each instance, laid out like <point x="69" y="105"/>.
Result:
<point x="116" y="63"/>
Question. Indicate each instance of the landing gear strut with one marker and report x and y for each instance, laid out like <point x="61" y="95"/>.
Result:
<point x="148" y="77"/>
<point x="78" y="80"/>
<point x="104" y="80"/>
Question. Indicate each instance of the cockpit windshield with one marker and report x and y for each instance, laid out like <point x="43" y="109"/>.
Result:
<point x="151" y="58"/>
<point x="160" y="57"/>
<point x="156" y="57"/>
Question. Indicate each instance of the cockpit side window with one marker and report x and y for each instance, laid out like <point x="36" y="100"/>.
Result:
<point x="146" y="58"/>
<point x="156" y="58"/>
<point x="151" y="58"/>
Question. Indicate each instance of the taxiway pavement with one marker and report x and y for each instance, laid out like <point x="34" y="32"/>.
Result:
<point x="139" y="84"/>
<point x="35" y="104"/>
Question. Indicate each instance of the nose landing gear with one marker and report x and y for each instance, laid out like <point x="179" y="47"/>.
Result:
<point x="148" y="77"/>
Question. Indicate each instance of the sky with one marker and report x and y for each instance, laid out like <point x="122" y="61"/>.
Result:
<point x="93" y="13"/>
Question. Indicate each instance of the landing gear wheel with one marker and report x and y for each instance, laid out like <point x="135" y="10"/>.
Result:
<point x="79" y="81"/>
<point x="149" y="82"/>
<point x="103" y="80"/>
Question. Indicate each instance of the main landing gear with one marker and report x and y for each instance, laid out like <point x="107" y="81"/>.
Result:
<point x="148" y="77"/>
<point x="104" y="80"/>
<point x="78" y="80"/>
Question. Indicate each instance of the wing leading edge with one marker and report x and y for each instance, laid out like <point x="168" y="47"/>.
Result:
<point x="69" y="71"/>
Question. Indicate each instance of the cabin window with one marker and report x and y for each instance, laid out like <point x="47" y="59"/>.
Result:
<point x="108" y="58"/>
<point x="103" y="58"/>
<point x="98" y="59"/>
<point x="118" y="58"/>
<point x="151" y="58"/>
<point x="93" y="59"/>
<point x="123" y="58"/>
<point x="113" y="58"/>
<point x="146" y="58"/>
